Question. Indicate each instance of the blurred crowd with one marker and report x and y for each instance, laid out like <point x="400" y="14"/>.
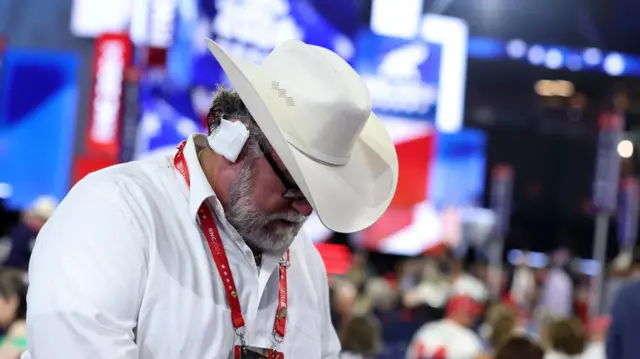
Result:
<point x="442" y="307"/>
<point x="437" y="306"/>
<point x="18" y="231"/>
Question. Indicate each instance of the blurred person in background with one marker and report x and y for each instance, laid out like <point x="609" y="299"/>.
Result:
<point x="622" y="335"/>
<point x="499" y="326"/>
<point x="8" y="218"/>
<point x="13" y="310"/>
<point x="342" y="297"/>
<point x="597" y="336"/>
<point x="557" y="292"/>
<point x="433" y="290"/>
<point x="451" y="337"/>
<point x="519" y="348"/>
<point x="379" y="297"/>
<point x="523" y="285"/>
<point x="360" y="271"/>
<point x="566" y="339"/>
<point x="198" y="254"/>
<point x="618" y="274"/>
<point x="23" y="235"/>
<point x="541" y="324"/>
<point x="624" y="270"/>
<point x="633" y="272"/>
<point x="408" y="272"/>
<point x="361" y="338"/>
<point x="465" y="282"/>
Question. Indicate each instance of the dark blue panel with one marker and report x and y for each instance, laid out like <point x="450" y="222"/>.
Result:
<point x="36" y="149"/>
<point x="32" y="84"/>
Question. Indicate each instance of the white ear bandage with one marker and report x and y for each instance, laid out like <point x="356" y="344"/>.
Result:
<point x="229" y="139"/>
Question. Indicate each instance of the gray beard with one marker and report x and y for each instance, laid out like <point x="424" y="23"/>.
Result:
<point x="251" y="223"/>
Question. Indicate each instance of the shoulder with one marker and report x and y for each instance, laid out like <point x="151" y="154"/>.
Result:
<point x="113" y="202"/>
<point x="626" y="298"/>
<point x="472" y="340"/>
<point x="134" y="178"/>
<point x="428" y="330"/>
<point x="124" y="187"/>
<point x="630" y="289"/>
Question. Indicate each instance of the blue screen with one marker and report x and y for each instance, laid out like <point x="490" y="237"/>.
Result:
<point x="37" y="123"/>
<point x="458" y="170"/>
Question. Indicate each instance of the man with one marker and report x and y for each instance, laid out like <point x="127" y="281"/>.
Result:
<point x="342" y="297"/>
<point x="523" y="284"/>
<point x="452" y="336"/>
<point x="622" y="335"/>
<point x="624" y="270"/>
<point x="557" y="296"/>
<point x="195" y="255"/>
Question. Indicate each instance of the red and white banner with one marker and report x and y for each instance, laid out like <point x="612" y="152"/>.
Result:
<point x="112" y="58"/>
<point x="410" y="225"/>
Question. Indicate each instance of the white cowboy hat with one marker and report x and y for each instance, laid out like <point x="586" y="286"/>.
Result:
<point x="316" y="113"/>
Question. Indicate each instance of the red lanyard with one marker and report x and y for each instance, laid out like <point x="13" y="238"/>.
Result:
<point x="210" y="230"/>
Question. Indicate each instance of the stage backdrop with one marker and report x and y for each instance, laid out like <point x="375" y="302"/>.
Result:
<point x="38" y="109"/>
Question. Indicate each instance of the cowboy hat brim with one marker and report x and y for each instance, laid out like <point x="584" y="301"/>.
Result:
<point x="346" y="198"/>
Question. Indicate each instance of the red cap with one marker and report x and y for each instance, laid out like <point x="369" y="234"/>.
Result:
<point x="465" y="304"/>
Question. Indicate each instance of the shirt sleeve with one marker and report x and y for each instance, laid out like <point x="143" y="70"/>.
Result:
<point x="417" y="348"/>
<point x="87" y="275"/>
<point x="330" y="343"/>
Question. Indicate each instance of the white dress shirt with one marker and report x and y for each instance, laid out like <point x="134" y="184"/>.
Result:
<point x="557" y="294"/>
<point x="446" y="338"/>
<point x="595" y="350"/>
<point x="122" y="271"/>
<point x="523" y="286"/>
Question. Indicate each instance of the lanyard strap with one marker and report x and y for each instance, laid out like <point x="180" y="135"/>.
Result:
<point x="214" y="241"/>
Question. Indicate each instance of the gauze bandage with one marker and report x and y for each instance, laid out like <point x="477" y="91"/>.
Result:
<point x="229" y="139"/>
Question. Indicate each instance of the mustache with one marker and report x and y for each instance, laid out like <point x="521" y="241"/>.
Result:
<point x="292" y="217"/>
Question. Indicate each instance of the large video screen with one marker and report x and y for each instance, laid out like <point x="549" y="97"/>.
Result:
<point x="249" y="29"/>
<point x="440" y="185"/>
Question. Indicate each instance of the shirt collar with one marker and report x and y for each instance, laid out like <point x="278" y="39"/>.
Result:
<point x="200" y="190"/>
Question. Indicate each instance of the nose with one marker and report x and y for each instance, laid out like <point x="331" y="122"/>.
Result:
<point x="303" y="206"/>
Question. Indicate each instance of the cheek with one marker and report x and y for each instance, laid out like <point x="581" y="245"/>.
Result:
<point x="266" y="194"/>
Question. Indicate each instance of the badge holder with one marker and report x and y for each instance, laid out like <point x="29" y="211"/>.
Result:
<point x="243" y="351"/>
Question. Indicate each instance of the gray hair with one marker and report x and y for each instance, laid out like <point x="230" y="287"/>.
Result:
<point x="227" y="104"/>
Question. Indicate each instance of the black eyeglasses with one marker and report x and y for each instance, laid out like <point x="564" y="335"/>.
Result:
<point x="291" y="190"/>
